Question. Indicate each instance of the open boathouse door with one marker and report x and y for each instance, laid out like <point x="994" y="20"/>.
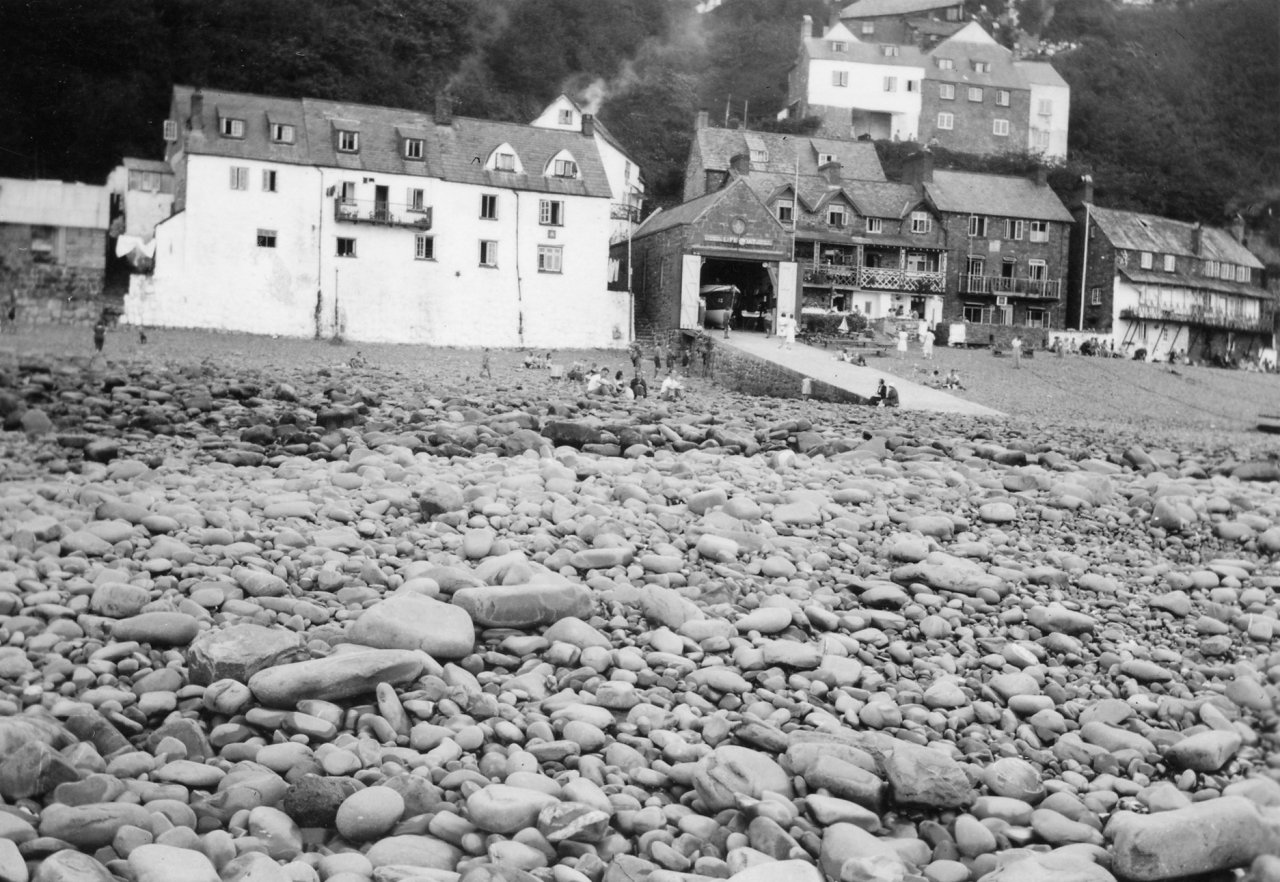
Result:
<point x="690" y="282"/>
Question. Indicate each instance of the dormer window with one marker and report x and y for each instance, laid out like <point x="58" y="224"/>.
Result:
<point x="835" y="215"/>
<point x="505" y="162"/>
<point x="946" y="64"/>
<point x="231" y="128"/>
<point x="890" y="51"/>
<point x="348" y="141"/>
<point x="564" y="168"/>
<point x="282" y="133"/>
<point x="757" y="150"/>
<point x="413" y="148"/>
<point x="839" y="46"/>
<point x="875" y="225"/>
<point x="566" y="117"/>
<point x="504" y="159"/>
<point x="982" y="67"/>
<point x="824" y="158"/>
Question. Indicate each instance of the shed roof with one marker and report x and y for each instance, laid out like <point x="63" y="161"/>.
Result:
<point x="1161" y="235"/>
<point x="999" y="195"/>
<point x="49" y="203"/>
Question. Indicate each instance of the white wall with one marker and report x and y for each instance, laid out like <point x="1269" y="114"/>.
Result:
<point x="866" y="91"/>
<point x="1056" y="124"/>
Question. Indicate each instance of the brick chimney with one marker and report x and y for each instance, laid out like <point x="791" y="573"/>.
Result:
<point x="701" y="120"/>
<point x="831" y="172"/>
<point x="196" y="120"/>
<point x="740" y="164"/>
<point x="1086" y="189"/>
<point x="588" y="125"/>
<point x="1197" y="239"/>
<point x="444" y="109"/>
<point x="918" y="168"/>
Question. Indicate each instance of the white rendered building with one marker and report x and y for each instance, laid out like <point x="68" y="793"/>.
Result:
<point x="319" y="218"/>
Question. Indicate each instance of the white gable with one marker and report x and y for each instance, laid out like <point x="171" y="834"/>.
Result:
<point x="839" y="32"/>
<point x="970" y="33"/>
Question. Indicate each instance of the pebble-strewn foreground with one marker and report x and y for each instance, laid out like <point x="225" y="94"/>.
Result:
<point x="328" y="625"/>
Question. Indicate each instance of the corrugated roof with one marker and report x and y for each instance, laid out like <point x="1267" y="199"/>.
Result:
<point x="997" y="195"/>
<point x="1160" y="235"/>
<point x="1203" y="283"/>
<point x="456" y="152"/>
<point x="874" y="8"/>
<point x="53" y="204"/>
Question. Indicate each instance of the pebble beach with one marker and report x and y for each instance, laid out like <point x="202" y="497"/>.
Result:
<point x="268" y="617"/>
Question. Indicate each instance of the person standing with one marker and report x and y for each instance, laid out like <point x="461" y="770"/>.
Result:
<point x="100" y="332"/>
<point x="708" y="350"/>
<point x="728" y="314"/>
<point x="636" y="355"/>
<point x="1016" y="346"/>
<point x="658" y="351"/>
<point x="927" y="345"/>
<point x="902" y="342"/>
<point x="485" y="367"/>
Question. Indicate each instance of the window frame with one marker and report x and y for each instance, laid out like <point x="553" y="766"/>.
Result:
<point x="1210" y="269"/>
<point x="1095" y="295"/>
<point x="1003" y="97"/>
<point x="921" y="222"/>
<point x="551" y="212"/>
<point x="834" y="212"/>
<point x="1014" y="229"/>
<point x="239" y="177"/>
<point x="1146" y="260"/>
<point x="974" y="94"/>
<point x="946" y="64"/>
<point x="564" y="168"/>
<point x="348" y="141"/>
<point x="1000" y="128"/>
<point x="946" y="121"/>
<point x="839" y="46"/>
<point x="977" y="226"/>
<point x="1038" y="231"/>
<point x="169" y="131"/>
<point x="565" y="116"/>
<point x="231" y="127"/>
<point x="504" y="162"/>
<point x="267" y="238"/>
<point x="1170" y="263"/>
<point x="347" y="250"/>
<point x="1244" y="274"/>
<point x="890" y="51"/>
<point x="270" y="181"/>
<point x="1037" y="264"/>
<point x="973" y="312"/>
<point x="279" y="130"/>
<point x="415" y="148"/>
<point x="1044" y="107"/>
<point x="489" y="253"/>
<point x="416" y="199"/>
<point x="868" y="27"/>
<point x="548" y="251"/>
<point x="875" y="225"/>
<point x="424" y="246"/>
<point x="946" y="91"/>
<point x="982" y="67"/>
<point x="787" y="205"/>
<point x="839" y="79"/>
<point x="891" y="84"/>
<point x="488" y="206"/>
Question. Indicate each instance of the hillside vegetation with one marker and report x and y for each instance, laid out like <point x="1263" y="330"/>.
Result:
<point x="1173" y="107"/>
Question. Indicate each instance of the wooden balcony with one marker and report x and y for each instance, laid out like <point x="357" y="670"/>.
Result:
<point x="1034" y="289"/>
<point x="370" y="211"/>
<point x="1199" y="315"/>
<point x="874" y="277"/>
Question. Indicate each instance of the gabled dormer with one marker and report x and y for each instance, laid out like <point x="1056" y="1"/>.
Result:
<point x="562" y="165"/>
<point x="504" y="159"/>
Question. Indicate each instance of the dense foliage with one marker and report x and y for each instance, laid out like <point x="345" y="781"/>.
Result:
<point x="1173" y="107"/>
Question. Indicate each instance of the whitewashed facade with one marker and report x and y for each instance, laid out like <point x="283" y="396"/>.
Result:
<point x="312" y="218"/>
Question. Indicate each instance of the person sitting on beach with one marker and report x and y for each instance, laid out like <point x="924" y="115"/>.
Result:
<point x="639" y="388"/>
<point x="671" y="388"/>
<point x="598" y="384"/>
<point x="532" y="361"/>
<point x="952" y="380"/>
<point x="577" y="372"/>
<point x="886" y="396"/>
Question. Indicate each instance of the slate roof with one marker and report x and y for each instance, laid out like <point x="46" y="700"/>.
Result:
<point x="1203" y="283"/>
<point x="819" y="49"/>
<point x="1161" y="235"/>
<point x="49" y="203"/>
<point x="457" y="152"/>
<point x="883" y="200"/>
<point x="133" y="163"/>
<point x="998" y="195"/>
<point x="1040" y="73"/>
<point x="688" y="212"/>
<point x="874" y="8"/>
<point x="858" y="159"/>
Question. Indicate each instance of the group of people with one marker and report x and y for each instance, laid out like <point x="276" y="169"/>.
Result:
<point x="786" y="330"/>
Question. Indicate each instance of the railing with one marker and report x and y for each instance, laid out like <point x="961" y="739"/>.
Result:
<point x="884" y="278"/>
<point x="1042" y="289"/>
<point x="1199" y="315"/>
<point x="373" y="211"/>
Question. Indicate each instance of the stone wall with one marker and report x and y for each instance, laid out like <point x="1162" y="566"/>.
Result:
<point x="981" y="334"/>
<point x="746" y="373"/>
<point x="68" y="289"/>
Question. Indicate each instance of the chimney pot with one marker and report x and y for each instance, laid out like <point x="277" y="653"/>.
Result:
<point x="588" y="125"/>
<point x="444" y="109"/>
<point x="701" y="120"/>
<point x="1197" y="239"/>
<point x="1042" y="175"/>
<point x="1086" y="189"/>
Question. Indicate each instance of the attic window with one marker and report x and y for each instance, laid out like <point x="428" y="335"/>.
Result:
<point x="505" y="162"/>
<point x="1242" y="274"/>
<point x="231" y="128"/>
<point x="348" y="141"/>
<point x="875" y="225"/>
<point x="839" y="46"/>
<point x="412" y="148"/>
<point x="566" y="117"/>
<point x="759" y="152"/>
<point x="282" y="133"/>
<point x="1170" y="263"/>
<point x="170" y="130"/>
<point x="982" y="67"/>
<point x="565" y="168"/>
<point x="890" y="51"/>
<point x="946" y="64"/>
<point x="824" y="158"/>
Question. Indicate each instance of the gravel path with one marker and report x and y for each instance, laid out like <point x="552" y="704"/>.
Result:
<point x="267" y="616"/>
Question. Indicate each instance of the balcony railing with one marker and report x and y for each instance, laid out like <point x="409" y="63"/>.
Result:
<point x="373" y="211"/>
<point x="1199" y="315"/>
<point x="1039" y="289"/>
<point x="881" y="278"/>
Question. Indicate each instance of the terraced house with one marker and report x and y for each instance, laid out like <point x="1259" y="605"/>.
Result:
<point x="1168" y="286"/>
<point x="310" y="217"/>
